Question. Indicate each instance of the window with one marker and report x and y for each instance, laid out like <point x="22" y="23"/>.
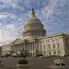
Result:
<point x="44" y="46"/>
<point x="54" y="52"/>
<point x="58" y="45"/>
<point x="49" y="53"/>
<point x="40" y="42"/>
<point x="44" y="52"/>
<point x="41" y="47"/>
<point x="48" y="41"/>
<point x="49" y="46"/>
<point x="23" y="49"/>
<point x="43" y="41"/>
<point x="57" y="39"/>
<point x="33" y="43"/>
<point x="53" y="40"/>
<point x="53" y="45"/>
<point x="59" y="52"/>
<point x="31" y="54"/>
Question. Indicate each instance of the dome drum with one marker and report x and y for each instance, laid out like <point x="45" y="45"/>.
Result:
<point x="34" y="26"/>
<point x="34" y="30"/>
<point x="34" y="33"/>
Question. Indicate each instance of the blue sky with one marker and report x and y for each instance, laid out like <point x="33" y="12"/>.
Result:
<point x="54" y="14"/>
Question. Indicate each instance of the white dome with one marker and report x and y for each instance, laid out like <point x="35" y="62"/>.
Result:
<point x="33" y="20"/>
<point x="34" y="27"/>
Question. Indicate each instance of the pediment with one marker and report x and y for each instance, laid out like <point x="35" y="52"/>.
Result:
<point x="17" y="40"/>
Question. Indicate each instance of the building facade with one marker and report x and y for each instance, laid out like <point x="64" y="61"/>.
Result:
<point x="0" y="51"/>
<point x="6" y="49"/>
<point x="35" y="41"/>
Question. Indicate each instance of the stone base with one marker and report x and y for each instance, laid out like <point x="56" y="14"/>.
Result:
<point x="58" y="67"/>
<point x="22" y="66"/>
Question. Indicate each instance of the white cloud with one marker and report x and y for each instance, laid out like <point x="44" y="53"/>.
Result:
<point x="6" y="15"/>
<point x="2" y="16"/>
<point x="27" y="3"/>
<point x="8" y="33"/>
<point x="53" y="16"/>
<point x="11" y="26"/>
<point x="7" y="3"/>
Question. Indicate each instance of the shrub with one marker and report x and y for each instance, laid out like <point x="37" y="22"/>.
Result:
<point x="63" y="64"/>
<point x="57" y="64"/>
<point x="22" y="62"/>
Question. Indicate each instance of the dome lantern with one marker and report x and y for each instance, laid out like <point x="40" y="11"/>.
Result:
<point x="33" y="13"/>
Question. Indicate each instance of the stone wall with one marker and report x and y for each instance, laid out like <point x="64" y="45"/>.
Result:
<point x="0" y="51"/>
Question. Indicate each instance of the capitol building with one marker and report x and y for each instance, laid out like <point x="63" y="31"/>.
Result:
<point x="36" y="42"/>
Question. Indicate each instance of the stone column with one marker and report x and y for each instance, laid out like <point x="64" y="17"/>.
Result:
<point x="32" y="32"/>
<point x="42" y="33"/>
<point x="32" y="46"/>
<point x="39" y="32"/>
<point x="35" y="47"/>
<point x="29" y="33"/>
<point x="24" y="34"/>
<point x="35" y="32"/>
<point x="29" y="46"/>
<point x="24" y="46"/>
<point x="63" y="48"/>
